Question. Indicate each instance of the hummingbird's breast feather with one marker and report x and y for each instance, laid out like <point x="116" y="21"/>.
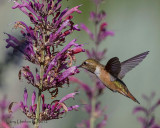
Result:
<point x="105" y="77"/>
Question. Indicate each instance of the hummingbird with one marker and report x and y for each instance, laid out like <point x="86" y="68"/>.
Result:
<point x="112" y="73"/>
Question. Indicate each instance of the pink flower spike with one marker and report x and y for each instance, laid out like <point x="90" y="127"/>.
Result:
<point x="69" y="12"/>
<point x="44" y="43"/>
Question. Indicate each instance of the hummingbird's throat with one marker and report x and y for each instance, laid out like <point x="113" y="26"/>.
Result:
<point x="97" y="71"/>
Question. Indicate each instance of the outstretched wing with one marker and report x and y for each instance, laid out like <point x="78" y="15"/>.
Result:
<point x="113" y="66"/>
<point x="129" y="64"/>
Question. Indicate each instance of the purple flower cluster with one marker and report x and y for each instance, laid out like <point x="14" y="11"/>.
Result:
<point x="55" y="76"/>
<point x="148" y="120"/>
<point x="40" y="43"/>
<point x="46" y="35"/>
<point x="54" y="110"/>
<point x="93" y="107"/>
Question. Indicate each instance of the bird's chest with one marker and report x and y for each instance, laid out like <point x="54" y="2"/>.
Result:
<point x="104" y="76"/>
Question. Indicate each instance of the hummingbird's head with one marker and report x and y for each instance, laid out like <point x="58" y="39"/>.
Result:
<point x="90" y="65"/>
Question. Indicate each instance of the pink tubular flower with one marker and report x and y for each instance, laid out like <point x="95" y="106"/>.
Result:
<point x="71" y="95"/>
<point x="97" y="17"/>
<point x="77" y="50"/>
<point x="32" y="34"/>
<point x="69" y="12"/>
<point x="25" y="97"/>
<point x="103" y="32"/>
<point x="33" y="98"/>
<point x="60" y="55"/>
<point x="85" y="28"/>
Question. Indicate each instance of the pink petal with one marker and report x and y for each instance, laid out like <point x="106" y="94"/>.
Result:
<point x="83" y="26"/>
<point x="69" y="12"/>
<point x="68" y="96"/>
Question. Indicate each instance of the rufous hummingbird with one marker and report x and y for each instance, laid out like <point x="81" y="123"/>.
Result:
<point x="112" y="73"/>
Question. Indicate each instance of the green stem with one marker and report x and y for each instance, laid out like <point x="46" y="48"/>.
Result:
<point x="38" y="110"/>
<point x="96" y="28"/>
<point x="92" y="116"/>
<point x="93" y="100"/>
<point x="40" y="88"/>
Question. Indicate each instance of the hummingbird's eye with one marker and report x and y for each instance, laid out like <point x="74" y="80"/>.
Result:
<point x="84" y="63"/>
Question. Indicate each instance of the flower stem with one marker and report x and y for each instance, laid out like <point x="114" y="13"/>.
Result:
<point x="40" y="88"/>
<point x="38" y="110"/>
<point x="92" y="116"/>
<point x="96" y="28"/>
<point x="93" y="100"/>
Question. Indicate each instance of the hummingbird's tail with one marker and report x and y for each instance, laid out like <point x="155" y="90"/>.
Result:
<point x="129" y="95"/>
<point x="122" y="89"/>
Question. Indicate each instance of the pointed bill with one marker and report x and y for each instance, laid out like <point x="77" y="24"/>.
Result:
<point x="129" y="64"/>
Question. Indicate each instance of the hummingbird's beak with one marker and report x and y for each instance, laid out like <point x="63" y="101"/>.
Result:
<point x="80" y="66"/>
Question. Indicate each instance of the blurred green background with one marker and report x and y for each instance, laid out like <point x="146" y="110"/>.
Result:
<point x="136" y="24"/>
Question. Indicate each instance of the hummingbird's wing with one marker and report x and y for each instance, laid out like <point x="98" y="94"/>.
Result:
<point x="113" y="66"/>
<point x="129" y="64"/>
